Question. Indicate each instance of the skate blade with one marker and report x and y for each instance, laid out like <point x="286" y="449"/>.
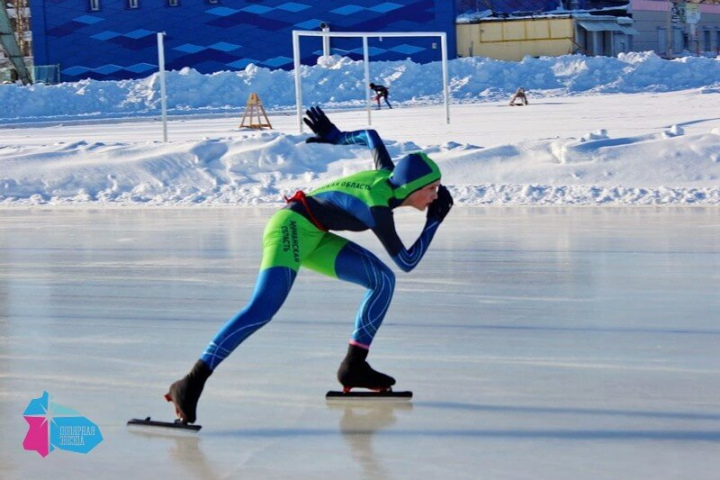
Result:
<point x="383" y="395"/>
<point x="177" y="424"/>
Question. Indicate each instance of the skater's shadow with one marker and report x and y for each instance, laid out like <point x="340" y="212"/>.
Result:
<point x="359" y="422"/>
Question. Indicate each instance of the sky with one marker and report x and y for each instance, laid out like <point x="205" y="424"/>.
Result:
<point x="631" y="130"/>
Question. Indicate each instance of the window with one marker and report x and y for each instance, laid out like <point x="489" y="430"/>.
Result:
<point x="94" y="5"/>
<point x="707" y="40"/>
<point x="133" y="3"/>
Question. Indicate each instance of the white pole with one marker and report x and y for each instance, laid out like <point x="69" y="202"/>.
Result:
<point x="366" y="58"/>
<point x="163" y="91"/>
<point x="446" y="95"/>
<point x="298" y="82"/>
<point x="669" y="32"/>
<point x="326" y="41"/>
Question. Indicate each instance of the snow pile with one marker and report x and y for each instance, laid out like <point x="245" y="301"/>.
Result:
<point x="259" y="168"/>
<point x="587" y="138"/>
<point x="340" y="83"/>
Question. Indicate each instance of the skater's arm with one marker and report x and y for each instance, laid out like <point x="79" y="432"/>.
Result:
<point x="372" y="140"/>
<point x="405" y="258"/>
<point x="327" y="132"/>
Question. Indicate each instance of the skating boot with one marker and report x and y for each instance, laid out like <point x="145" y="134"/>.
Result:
<point x="185" y="393"/>
<point x="354" y="372"/>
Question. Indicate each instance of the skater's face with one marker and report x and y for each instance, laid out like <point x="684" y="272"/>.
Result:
<point x="420" y="199"/>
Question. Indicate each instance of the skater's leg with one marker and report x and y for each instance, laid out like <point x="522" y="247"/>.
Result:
<point x="288" y="238"/>
<point x="387" y="101"/>
<point x="272" y="288"/>
<point x="357" y="265"/>
<point x="348" y="261"/>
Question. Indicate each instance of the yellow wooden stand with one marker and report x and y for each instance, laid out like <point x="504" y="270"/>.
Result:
<point x="253" y="109"/>
<point x="519" y="96"/>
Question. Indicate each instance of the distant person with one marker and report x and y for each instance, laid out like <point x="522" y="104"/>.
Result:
<point x="519" y="96"/>
<point x="380" y="92"/>
<point x="300" y="235"/>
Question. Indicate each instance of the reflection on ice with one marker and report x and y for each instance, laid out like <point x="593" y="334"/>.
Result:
<point x="359" y="422"/>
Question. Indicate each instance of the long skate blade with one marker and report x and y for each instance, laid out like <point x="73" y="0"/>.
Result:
<point x="177" y="424"/>
<point x="398" y="396"/>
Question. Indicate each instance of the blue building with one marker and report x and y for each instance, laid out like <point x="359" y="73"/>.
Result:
<point x="116" y="39"/>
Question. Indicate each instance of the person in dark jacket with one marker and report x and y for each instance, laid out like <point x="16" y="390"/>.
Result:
<point x="380" y="92"/>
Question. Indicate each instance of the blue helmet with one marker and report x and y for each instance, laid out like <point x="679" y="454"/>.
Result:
<point x="413" y="172"/>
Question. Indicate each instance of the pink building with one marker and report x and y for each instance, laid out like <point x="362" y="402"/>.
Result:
<point x="676" y="28"/>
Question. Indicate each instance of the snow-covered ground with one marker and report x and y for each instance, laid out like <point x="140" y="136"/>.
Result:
<point x="633" y="130"/>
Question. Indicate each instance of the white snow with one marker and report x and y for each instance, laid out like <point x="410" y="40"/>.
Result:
<point x="632" y="130"/>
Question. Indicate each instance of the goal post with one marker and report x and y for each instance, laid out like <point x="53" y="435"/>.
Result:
<point x="366" y="57"/>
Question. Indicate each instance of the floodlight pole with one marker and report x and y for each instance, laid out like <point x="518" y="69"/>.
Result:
<point x="446" y="95"/>
<point x="163" y="92"/>
<point x="298" y="80"/>
<point x="366" y="59"/>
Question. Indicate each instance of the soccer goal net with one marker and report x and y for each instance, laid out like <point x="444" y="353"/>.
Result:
<point x="326" y="35"/>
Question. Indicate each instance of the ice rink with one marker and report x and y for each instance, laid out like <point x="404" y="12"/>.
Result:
<point x="540" y="343"/>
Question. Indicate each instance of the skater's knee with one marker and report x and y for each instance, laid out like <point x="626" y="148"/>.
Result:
<point x="260" y="313"/>
<point x="385" y="278"/>
<point x="391" y="276"/>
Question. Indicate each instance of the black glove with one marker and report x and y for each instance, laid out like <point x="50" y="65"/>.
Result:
<point x="325" y="130"/>
<point x="441" y="206"/>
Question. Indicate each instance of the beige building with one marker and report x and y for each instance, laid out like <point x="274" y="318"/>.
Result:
<point x="513" y="39"/>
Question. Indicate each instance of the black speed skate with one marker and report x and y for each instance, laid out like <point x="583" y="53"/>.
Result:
<point x="185" y="393"/>
<point x="355" y="372"/>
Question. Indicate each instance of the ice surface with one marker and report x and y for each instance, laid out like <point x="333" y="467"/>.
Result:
<point x="554" y="343"/>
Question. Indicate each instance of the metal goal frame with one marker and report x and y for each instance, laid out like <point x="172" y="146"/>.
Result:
<point x="326" y="35"/>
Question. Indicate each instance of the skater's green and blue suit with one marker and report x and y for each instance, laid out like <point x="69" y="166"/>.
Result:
<point x="299" y="235"/>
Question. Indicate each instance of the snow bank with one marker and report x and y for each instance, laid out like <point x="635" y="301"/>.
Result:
<point x="341" y="84"/>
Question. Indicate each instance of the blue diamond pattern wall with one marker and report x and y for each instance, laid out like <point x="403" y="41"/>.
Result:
<point x="116" y="42"/>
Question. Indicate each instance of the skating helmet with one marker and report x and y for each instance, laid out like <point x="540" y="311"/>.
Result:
<point x="412" y="173"/>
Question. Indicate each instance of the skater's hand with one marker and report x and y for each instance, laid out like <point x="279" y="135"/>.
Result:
<point x="441" y="206"/>
<point x="325" y="130"/>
